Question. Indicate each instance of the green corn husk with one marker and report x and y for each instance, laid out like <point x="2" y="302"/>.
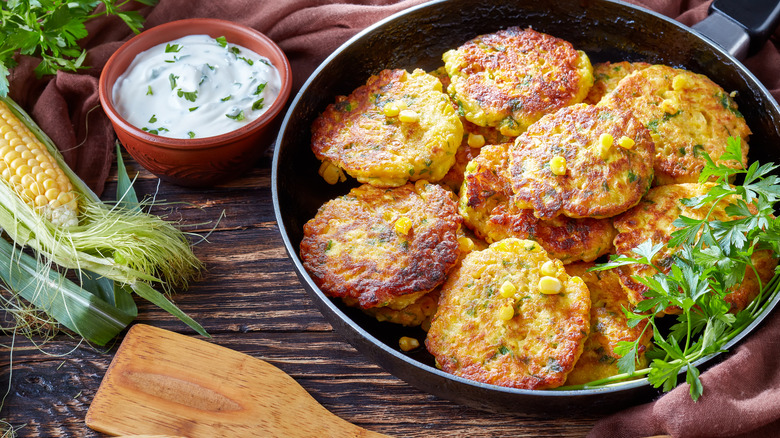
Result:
<point x="77" y="309"/>
<point x="112" y="243"/>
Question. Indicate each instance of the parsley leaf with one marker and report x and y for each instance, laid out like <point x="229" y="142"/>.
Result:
<point x="51" y="29"/>
<point x="191" y="96"/>
<point x="172" y="48"/>
<point x="704" y="260"/>
<point x="237" y="117"/>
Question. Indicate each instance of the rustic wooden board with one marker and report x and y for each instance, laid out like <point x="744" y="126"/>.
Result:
<point x="251" y="301"/>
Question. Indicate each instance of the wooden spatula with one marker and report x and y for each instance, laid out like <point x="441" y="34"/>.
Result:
<point x="165" y="383"/>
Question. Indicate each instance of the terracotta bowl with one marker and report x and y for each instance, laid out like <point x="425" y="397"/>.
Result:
<point x="197" y="162"/>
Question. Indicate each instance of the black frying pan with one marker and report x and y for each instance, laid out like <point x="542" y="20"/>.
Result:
<point x="608" y="31"/>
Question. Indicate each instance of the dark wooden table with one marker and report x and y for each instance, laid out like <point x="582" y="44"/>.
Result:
<point x="250" y="300"/>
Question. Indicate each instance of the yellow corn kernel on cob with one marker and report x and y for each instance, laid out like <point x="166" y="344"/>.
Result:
<point x="33" y="173"/>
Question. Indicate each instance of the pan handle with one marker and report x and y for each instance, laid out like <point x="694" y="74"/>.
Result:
<point x="740" y="27"/>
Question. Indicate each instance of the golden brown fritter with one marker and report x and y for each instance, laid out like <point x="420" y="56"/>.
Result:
<point x="574" y="162"/>
<point x="687" y="113"/>
<point x="415" y="314"/>
<point x="485" y="207"/>
<point x="607" y="75"/>
<point x="495" y="324"/>
<point x="387" y="148"/>
<point x="511" y="78"/>
<point x="652" y="220"/>
<point x="608" y="326"/>
<point x="383" y="247"/>
<point x="474" y="138"/>
<point x="420" y="312"/>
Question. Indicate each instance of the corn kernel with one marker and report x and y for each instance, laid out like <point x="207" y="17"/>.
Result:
<point x="23" y="170"/>
<point x="402" y="225"/>
<point x="35" y="188"/>
<point x="506" y="245"/>
<point x="408" y="116"/>
<point x="328" y="171"/>
<point x="466" y="244"/>
<point x="605" y="145"/>
<point x="476" y="140"/>
<point x="11" y="156"/>
<point x="558" y="165"/>
<point x="64" y="197"/>
<point x="606" y="140"/>
<point x="680" y="82"/>
<point x="626" y="142"/>
<point x="549" y="285"/>
<point x="407" y="344"/>
<point x="508" y="289"/>
<point x="27" y="179"/>
<point x="669" y="106"/>
<point x="506" y="312"/>
<point x="51" y="194"/>
<point x="549" y="268"/>
<point x="391" y="109"/>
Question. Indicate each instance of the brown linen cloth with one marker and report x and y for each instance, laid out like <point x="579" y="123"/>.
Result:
<point x="66" y="106"/>
<point x="741" y="395"/>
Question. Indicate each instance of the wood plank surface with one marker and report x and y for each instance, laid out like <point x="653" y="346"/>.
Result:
<point x="250" y="300"/>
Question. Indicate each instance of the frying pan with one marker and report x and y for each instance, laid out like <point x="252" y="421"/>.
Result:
<point x="416" y="38"/>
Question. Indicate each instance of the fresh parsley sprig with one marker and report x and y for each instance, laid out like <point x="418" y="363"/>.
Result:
<point x="51" y="29"/>
<point x="709" y="258"/>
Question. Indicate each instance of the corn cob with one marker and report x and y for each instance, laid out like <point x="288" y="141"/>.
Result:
<point x="73" y="228"/>
<point x="33" y="173"/>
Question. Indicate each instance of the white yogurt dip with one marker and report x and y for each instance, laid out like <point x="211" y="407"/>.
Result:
<point x="196" y="86"/>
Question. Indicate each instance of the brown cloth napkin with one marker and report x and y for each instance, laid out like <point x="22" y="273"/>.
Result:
<point x="741" y="395"/>
<point x="66" y="106"/>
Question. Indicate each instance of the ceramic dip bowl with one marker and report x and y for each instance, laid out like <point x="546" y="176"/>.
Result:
<point x="197" y="160"/>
